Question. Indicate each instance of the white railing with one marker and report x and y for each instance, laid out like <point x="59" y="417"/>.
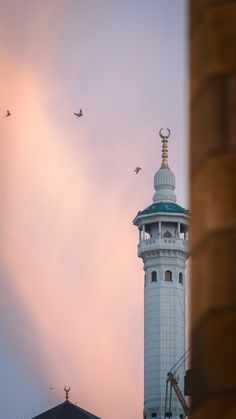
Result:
<point x="163" y="242"/>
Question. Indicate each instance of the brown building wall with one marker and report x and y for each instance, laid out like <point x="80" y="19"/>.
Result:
<point x="213" y="206"/>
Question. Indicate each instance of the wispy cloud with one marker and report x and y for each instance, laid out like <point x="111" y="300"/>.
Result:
<point x="70" y="274"/>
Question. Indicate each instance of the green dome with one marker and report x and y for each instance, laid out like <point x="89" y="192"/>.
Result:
<point x="164" y="207"/>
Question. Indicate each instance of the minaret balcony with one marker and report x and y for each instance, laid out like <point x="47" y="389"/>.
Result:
<point x="163" y="243"/>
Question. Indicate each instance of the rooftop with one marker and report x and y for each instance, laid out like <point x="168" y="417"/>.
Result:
<point x="170" y="207"/>
<point x="66" y="410"/>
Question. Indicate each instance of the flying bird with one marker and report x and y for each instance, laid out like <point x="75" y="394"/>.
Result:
<point x="78" y="115"/>
<point x="137" y="169"/>
<point x="8" y="113"/>
<point x="51" y="388"/>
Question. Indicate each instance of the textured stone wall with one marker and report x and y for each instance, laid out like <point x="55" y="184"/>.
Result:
<point x="212" y="42"/>
<point x="164" y="331"/>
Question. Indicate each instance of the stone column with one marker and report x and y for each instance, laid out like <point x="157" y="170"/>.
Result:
<point x="178" y="230"/>
<point x="143" y="231"/>
<point x="213" y="206"/>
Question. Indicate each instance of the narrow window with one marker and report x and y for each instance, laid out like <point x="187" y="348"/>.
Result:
<point x="167" y="234"/>
<point x="154" y="415"/>
<point x="168" y="276"/>
<point x="154" y="276"/>
<point x="181" y="278"/>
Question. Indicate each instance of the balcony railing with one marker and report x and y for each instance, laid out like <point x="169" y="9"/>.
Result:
<point x="172" y="243"/>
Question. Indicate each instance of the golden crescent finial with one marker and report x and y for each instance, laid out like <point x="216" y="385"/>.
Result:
<point x="164" y="164"/>
<point x="67" y="390"/>
<point x="164" y="136"/>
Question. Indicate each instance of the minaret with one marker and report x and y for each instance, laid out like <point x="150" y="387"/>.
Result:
<point x="163" y="248"/>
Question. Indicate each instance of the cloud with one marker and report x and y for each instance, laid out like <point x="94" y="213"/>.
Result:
<point x="68" y="192"/>
<point x="66" y="254"/>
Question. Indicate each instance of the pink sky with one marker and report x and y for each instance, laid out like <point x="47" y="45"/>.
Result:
<point x="72" y="301"/>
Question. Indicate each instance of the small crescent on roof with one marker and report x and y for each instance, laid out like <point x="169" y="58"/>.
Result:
<point x="67" y="388"/>
<point x="164" y="136"/>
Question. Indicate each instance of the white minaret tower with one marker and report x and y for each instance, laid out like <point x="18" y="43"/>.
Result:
<point x="163" y="248"/>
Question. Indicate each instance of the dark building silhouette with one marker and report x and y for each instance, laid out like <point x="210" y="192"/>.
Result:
<point x="66" y="410"/>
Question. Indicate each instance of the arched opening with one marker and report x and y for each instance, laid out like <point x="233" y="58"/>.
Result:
<point x="168" y="276"/>
<point x="154" y="276"/>
<point x="167" y="234"/>
<point x="181" y="278"/>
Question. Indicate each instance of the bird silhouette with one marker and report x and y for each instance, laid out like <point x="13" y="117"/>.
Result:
<point x="78" y="115"/>
<point x="51" y="388"/>
<point x="8" y="113"/>
<point x="137" y="169"/>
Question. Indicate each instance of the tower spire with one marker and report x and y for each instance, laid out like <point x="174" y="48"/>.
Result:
<point x="164" y="179"/>
<point x="164" y="163"/>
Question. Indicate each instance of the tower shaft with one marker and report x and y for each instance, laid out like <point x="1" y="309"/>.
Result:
<point x="163" y="247"/>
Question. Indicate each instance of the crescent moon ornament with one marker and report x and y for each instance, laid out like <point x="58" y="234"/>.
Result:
<point x="164" y="136"/>
<point x="67" y="390"/>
